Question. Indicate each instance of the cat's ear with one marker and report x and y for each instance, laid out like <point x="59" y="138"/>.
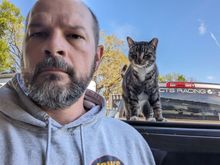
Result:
<point x="154" y="43"/>
<point x="130" y="41"/>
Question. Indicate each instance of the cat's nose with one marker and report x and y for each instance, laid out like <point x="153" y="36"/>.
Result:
<point x="139" y="60"/>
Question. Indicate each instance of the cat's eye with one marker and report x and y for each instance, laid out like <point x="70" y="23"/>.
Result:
<point x="134" y="55"/>
<point x="147" y="57"/>
<point x="149" y="54"/>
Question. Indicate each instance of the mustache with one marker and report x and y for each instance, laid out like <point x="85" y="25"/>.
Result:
<point x="54" y="63"/>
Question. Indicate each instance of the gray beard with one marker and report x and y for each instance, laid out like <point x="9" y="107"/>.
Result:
<point x="48" y="94"/>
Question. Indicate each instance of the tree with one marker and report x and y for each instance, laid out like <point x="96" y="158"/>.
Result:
<point x="11" y="33"/>
<point x="108" y="77"/>
<point x="5" y="61"/>
<point x="172" y="77"/>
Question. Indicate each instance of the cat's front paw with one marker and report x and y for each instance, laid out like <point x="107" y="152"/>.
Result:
<point x="134" y="118"/>
<point x="151" y="119"/>
<point x="162" y="119"/>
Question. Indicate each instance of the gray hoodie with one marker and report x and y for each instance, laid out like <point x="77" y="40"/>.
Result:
<point x="28" y="136"/>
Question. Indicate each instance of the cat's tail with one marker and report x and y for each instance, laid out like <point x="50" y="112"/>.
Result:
<point x="123" y="70"/>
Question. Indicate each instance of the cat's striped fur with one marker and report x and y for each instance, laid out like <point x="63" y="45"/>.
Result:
<point x="140" y="82"/>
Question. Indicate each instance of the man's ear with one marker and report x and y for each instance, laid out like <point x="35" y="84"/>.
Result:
<point x="99" y="54"/>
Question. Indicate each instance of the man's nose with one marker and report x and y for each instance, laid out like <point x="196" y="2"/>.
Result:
<point x="55" y="45"/>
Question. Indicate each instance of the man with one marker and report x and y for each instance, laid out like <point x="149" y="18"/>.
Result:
<point x="46" y="114"/>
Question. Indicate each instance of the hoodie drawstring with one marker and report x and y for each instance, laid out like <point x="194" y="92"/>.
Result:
<point x="48" y="142"/>
<point x="82" y="145"/>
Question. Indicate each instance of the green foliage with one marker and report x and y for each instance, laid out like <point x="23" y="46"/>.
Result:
<point x="108" y="76"/>
<point x="5" y="61"/>
<point x="11" y="33"/>
<point x="172" y="77"/>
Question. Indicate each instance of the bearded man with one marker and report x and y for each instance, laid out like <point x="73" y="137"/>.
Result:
<point x="46" y="114"/>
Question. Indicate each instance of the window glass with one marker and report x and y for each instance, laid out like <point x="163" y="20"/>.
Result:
<point x="187" y="56"/>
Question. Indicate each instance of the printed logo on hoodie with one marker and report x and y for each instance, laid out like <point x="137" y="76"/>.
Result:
<point x="108" y="160"/>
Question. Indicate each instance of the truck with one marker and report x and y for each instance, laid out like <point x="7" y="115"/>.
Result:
<point x="182" y="100"/>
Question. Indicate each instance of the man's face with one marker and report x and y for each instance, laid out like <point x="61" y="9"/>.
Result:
<point x="60" y="54"/>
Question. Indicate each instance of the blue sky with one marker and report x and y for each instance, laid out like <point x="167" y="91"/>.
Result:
<point x="188" y="31"/>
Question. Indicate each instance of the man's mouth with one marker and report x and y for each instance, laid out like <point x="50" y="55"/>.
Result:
<point x="51" y="70"/>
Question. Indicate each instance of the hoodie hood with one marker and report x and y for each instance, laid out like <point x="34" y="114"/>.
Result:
<point x="17" y="105"/>
<point x="29" y="136"/>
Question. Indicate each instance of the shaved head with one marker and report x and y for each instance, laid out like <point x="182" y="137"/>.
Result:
<point x="96" y="27"/>
<point x="60" y="52"/>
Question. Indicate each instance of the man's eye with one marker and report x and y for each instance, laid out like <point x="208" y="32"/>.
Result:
<point x="38" y="34"/>
<point x="74" y="36"/>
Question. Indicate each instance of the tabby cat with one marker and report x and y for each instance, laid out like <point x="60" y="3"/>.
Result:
<point x="140" y="82"/>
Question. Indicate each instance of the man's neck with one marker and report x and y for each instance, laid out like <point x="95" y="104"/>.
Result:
<point x="67" y="115"/>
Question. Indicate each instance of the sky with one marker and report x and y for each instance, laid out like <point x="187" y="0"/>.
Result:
<point x="188" y="31"/>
